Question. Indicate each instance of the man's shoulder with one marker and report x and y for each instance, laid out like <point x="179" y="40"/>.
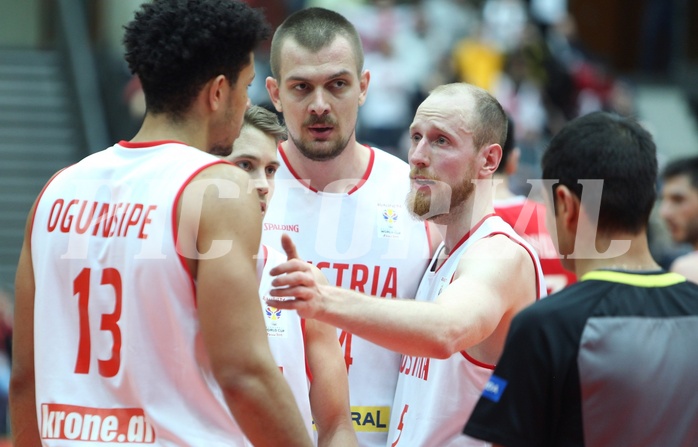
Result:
<point x="388" y="160"/>
<point x="214" y="168"/>
<point x="168" y="154"/>
<point x="514" y="203"/>
<point x="568" y="303"/>
<point x="687" y="265"/>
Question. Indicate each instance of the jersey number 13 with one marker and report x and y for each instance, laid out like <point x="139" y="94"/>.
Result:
<point x="110" y="277"/>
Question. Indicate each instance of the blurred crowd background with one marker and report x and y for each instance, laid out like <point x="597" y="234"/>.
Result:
<point x="65" y="90"/>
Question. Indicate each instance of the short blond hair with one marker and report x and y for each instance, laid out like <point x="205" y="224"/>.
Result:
<point x="266" y="121"/>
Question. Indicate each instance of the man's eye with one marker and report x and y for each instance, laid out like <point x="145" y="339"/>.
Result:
<point x="244" y="165"/>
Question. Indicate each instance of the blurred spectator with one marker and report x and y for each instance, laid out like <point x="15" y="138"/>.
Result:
<point x="399" y="61"/>
<point x="595" y="87"/>
<point x="135" y="100"/>
<point x="476" y="60"/>
<point x="547" y="13"/>
<point x="385" y="115"/>
<point x="341" y="6"/>
<point x="657" y="36"/>
<point x="520" y="93"/>
<point x="448" y="22"/>
<point x="293" y="6"/>
<point x="275" y="13"/>
<point x="427" y="67"/>
<point x="679" y="209"/>
<point x="504" y="22"/>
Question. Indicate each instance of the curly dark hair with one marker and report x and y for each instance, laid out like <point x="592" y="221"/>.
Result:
<point x="176" y="46"/>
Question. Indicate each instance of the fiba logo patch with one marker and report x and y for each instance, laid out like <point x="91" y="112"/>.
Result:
<point x="390" y="215"/>
<point x="273" y="314"/>
<point x="275" y="322"/>
<point x="388" y="220"/>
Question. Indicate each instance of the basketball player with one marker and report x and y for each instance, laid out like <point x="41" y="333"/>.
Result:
<point x="451" y="336"/>
<point x="131" y="325"/>
<point x="306" y="351"/>
<point x="607" y="361"/>
<point x="342" y="201"/>
<point x="679" y="209"/>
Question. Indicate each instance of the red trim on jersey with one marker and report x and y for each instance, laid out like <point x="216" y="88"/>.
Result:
<point x="308" y="372"/>
<point x="361" y="182"/>
<point x="178" y="196"/>
<point x="464" y="238"/>
<point x="265" y="254"/>
<point x="38" y="199"/>
<point x="367" y="173"/>
<point x="476" y="362"/>
<point x="261" y="260"/>
<point x="144" y="144"/>
<point x="292" y="171"/>
<point x="530" y="253"/>
<point x="533" y="258"/>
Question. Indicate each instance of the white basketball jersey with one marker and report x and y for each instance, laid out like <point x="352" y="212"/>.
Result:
<point x="286" y="334"/>
<point x="118" y="350"/>
<point x="363" y="240"/>
<point x="435" y="397"/>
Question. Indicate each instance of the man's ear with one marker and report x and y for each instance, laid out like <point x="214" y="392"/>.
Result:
<point x="215" y="92"/>
<point x="567" y="207"/>
<point x="364" y="80"/>
<point x="492" y="156"/>
<point x="273" y="90"/>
